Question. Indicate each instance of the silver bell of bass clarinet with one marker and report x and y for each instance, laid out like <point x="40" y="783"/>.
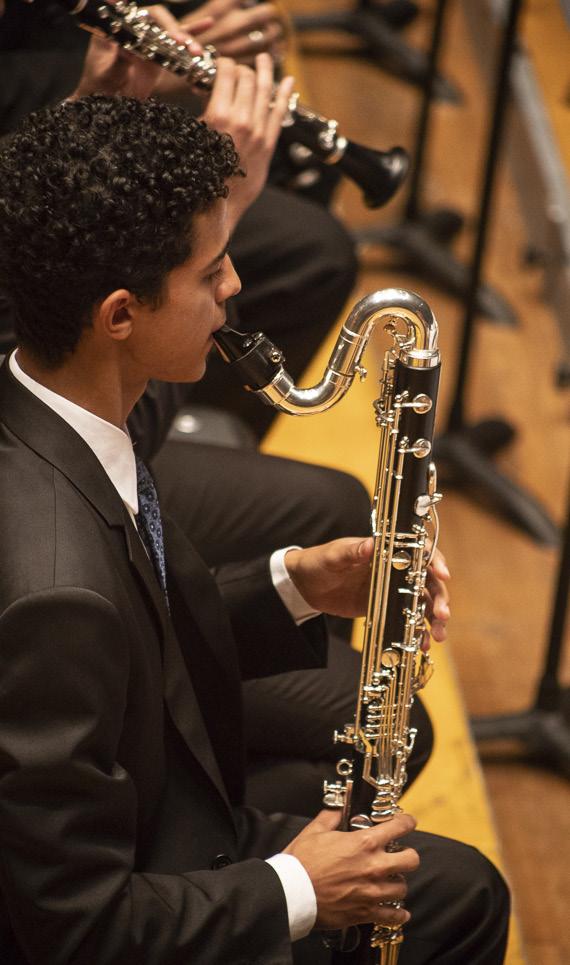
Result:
<point x="378" y="173"/>
<point x="377" y="743"/>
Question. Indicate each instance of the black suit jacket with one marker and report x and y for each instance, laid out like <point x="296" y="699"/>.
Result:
<point x="120" y="739"/>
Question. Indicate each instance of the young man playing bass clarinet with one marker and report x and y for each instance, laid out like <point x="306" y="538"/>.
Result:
<point x="123" y="834"/>
<point x="272" y="502"/>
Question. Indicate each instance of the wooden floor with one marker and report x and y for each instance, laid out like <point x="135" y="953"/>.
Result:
<point x="503" y="582"/>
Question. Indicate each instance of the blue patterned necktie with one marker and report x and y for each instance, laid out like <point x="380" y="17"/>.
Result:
<point x="149" y="523"/>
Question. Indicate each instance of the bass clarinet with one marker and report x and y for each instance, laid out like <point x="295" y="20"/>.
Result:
<point x="378" y="173"/>
<point x="377" y="743"/>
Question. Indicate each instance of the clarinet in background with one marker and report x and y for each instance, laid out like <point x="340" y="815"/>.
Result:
<point x="377" y="173"/>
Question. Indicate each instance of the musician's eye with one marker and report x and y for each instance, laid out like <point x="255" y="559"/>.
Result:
<point x="216" y="272"/>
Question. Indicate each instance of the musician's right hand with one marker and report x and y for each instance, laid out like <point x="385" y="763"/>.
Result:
<point x="353" y="873"/>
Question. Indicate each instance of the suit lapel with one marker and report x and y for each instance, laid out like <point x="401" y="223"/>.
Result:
<point x="208" y="650"/>
<point x="186" y="714"/>
<point x="202" y="598"/>
<point x="146" y="574"/>
<point x="179" y="692"/>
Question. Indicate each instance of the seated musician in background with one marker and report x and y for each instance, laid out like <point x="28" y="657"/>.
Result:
<point x="124" y="836"/>
<point x="271" y="502"/>
<point x="295" y="282"/>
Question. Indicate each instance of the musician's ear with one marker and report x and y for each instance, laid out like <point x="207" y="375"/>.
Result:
<point x="114" y="316"/>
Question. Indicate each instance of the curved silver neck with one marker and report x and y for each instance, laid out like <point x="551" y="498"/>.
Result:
<point x="417" y="349"/>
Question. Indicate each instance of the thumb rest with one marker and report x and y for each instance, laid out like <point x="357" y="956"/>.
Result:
<point x="377" y="744"/>
<point x="378" y="173"/>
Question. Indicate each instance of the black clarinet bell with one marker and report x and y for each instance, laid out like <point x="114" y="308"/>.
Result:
<point x="378" y="173"/>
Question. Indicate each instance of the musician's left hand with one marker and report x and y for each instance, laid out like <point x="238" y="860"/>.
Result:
<point x="335" y="578"/>
<point x="110" y="70"/>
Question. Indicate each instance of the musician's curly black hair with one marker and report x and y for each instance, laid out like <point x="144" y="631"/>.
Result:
<point x="99" y="194"/>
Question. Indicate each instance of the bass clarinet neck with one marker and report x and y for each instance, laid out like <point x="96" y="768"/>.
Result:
<point x="260" y="365"/>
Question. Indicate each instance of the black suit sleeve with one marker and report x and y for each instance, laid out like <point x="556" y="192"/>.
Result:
<point x="268" y="640"/>
<point x="68" y="812"/>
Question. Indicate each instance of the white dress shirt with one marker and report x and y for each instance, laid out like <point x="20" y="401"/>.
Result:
<point x="114" y="450"/>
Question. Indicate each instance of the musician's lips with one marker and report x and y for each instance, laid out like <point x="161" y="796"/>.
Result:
<point x="213" y="332"/>
<point x="218" y="327"/>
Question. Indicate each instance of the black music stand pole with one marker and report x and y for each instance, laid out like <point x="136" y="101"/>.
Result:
<point x="545" y="727"/>
<point x="423" y="238"/>
<point x="464" y="449"/>
<point x="372" y="24"/>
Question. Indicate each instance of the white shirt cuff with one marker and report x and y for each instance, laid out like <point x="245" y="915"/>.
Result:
<point x="292" y="599"/>
<point x="299" y="894"/>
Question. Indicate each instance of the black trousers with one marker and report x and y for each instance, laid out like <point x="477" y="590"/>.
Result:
<point x="236" y="504"/>
<point x="458" y="901"/>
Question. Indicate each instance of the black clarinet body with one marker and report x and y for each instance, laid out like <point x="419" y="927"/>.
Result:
<point x="374" y="747"/>
<point x="372" y="770"/>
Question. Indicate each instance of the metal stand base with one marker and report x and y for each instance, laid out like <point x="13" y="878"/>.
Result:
<point x="545" y="728"/>
<point x="381" y="42"/>
<point x="429" y="256"/>
<point x="563" y="375"/>
<point x="422" y="246"/>
<point x="464" y="454"/>
<point x="544" y="733"/>
<point x="458" y="448"/>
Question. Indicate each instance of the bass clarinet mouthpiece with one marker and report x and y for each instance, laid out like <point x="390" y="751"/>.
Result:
<point x="254" y="359"/>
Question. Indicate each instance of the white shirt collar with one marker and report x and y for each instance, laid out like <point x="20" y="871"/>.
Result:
<point x="111" y="445"/>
